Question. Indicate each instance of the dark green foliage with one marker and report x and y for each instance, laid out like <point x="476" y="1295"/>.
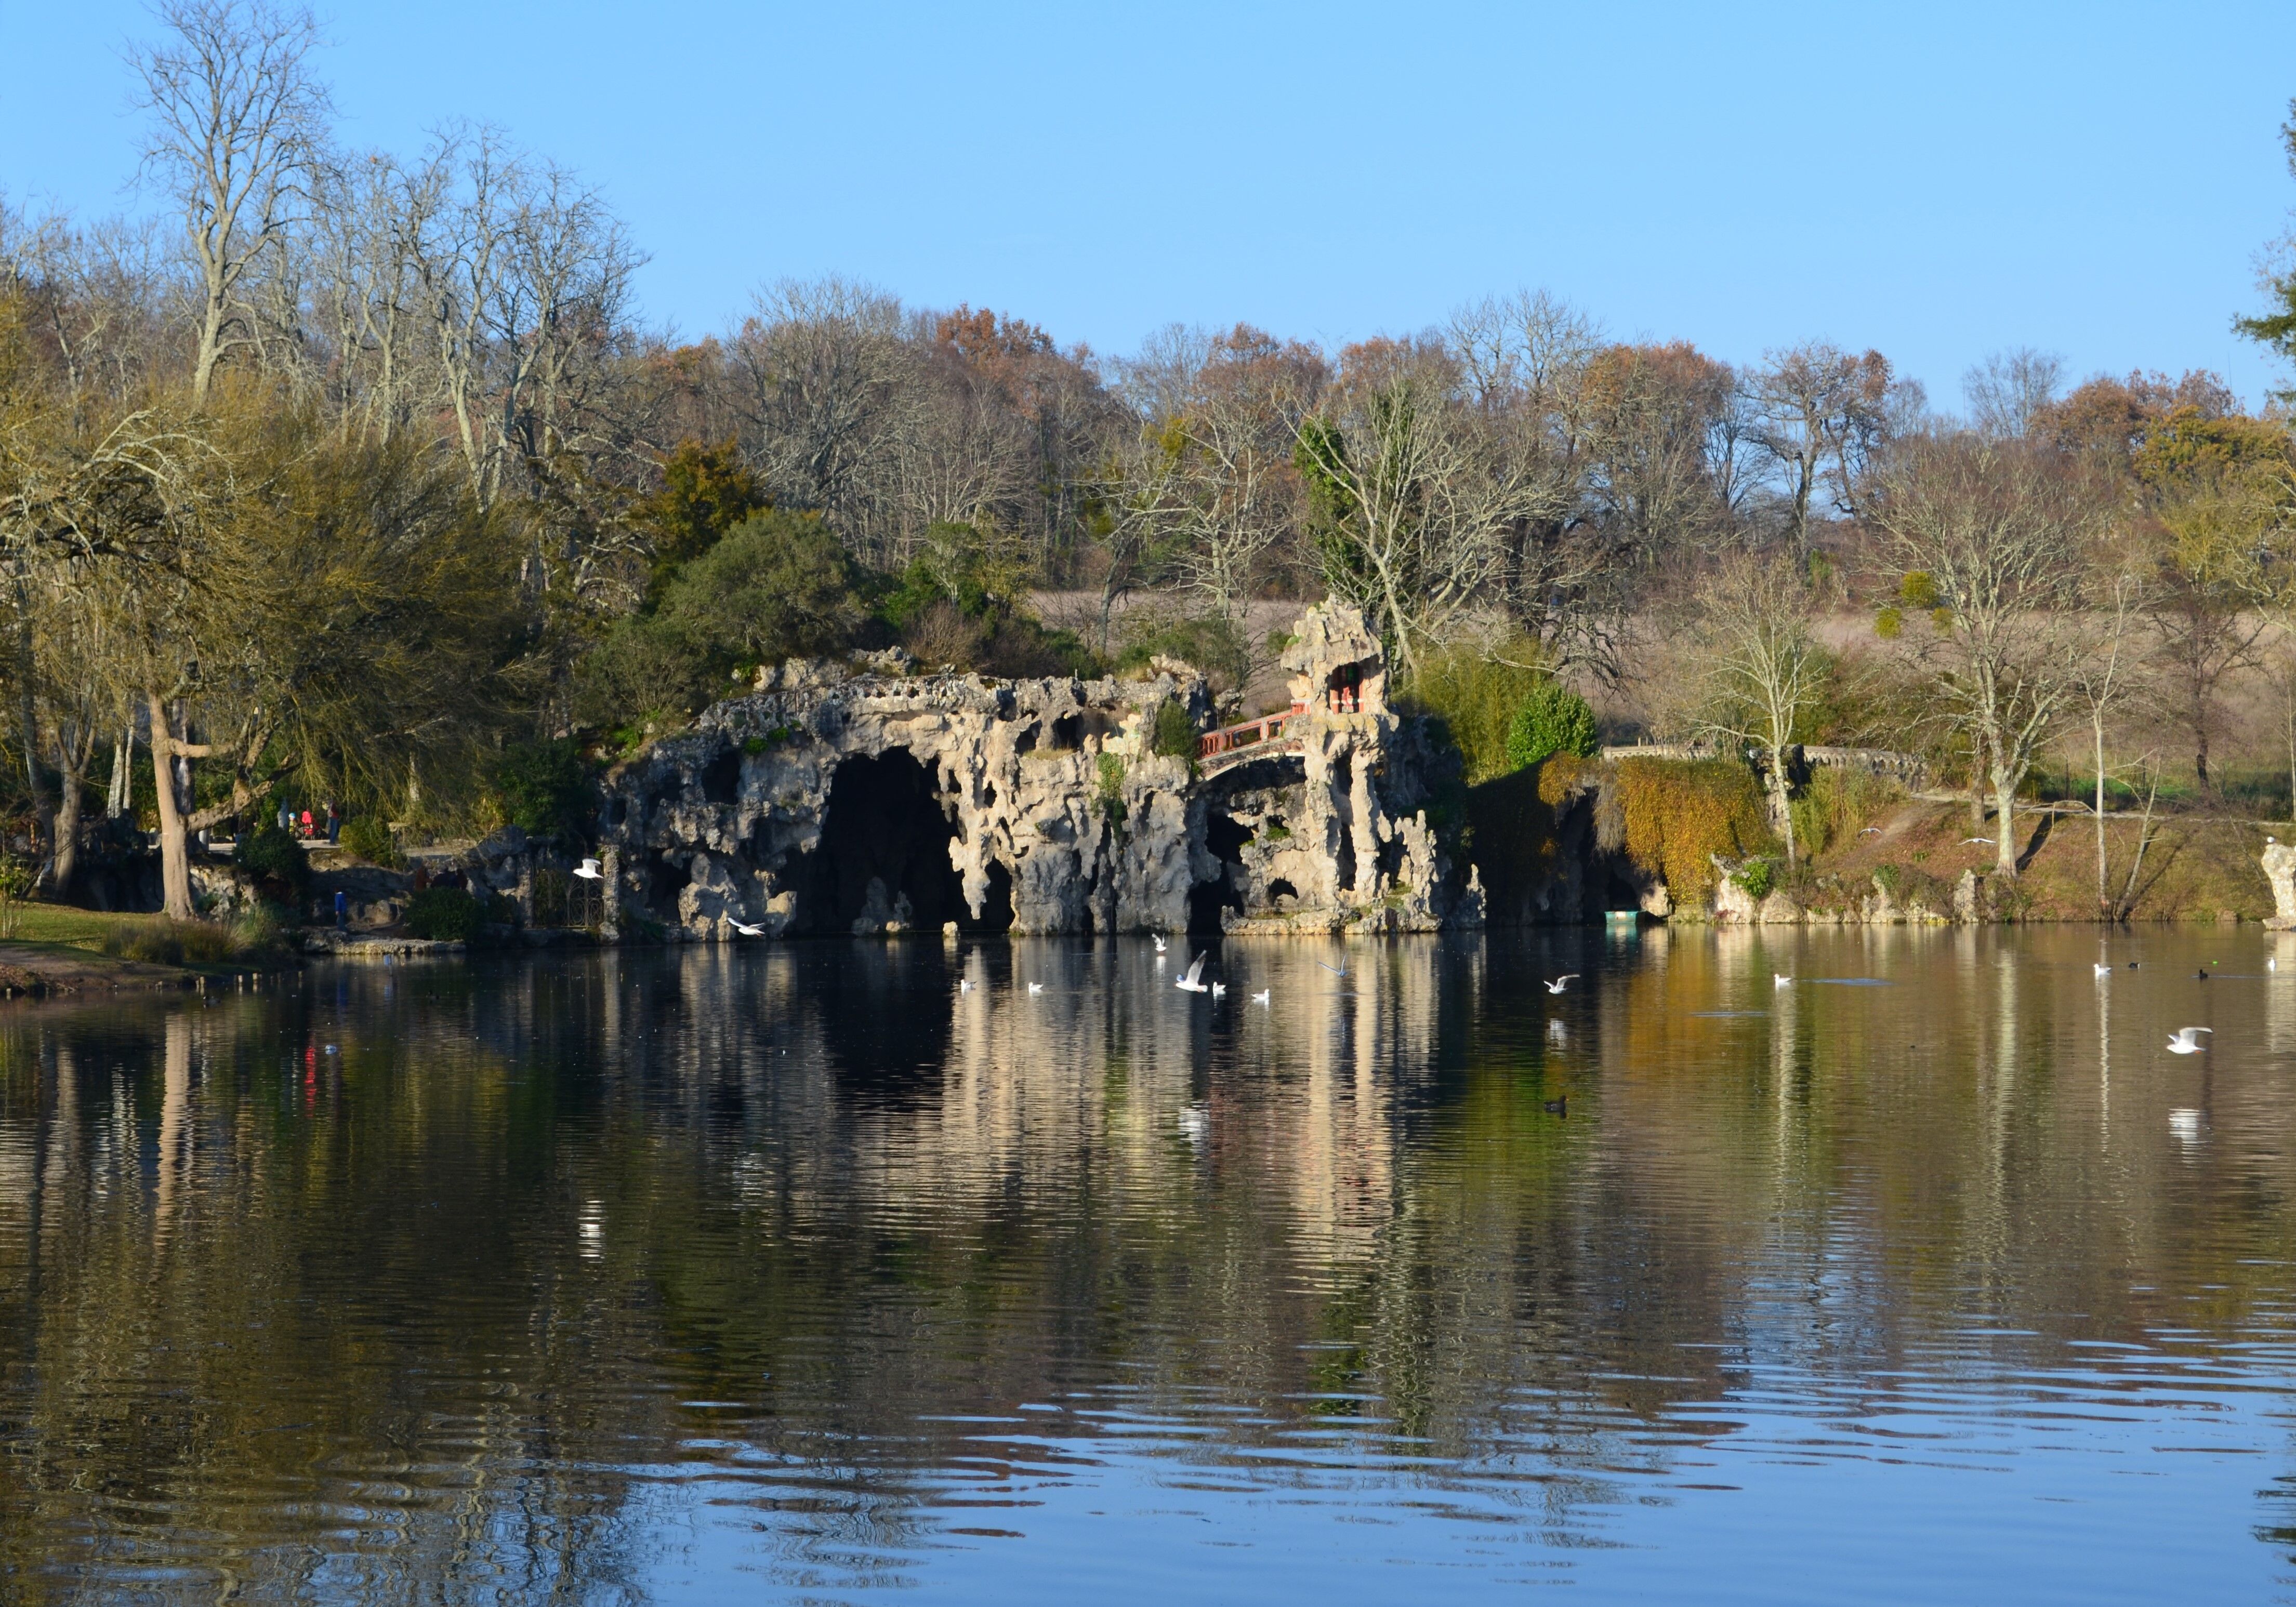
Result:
<point x="1477" y="699"/>
<point x="774" y="585"/>
<point x="1553" y="719"/>
<point x="447" y="913"/>
<point x="1758" y="876"/>
<point x="958" y="603"/>
<point x="1173" y="734"/>
<point x="368" y="837"/>
<point x="277" y="862"/>
<point x="545" y="788"/>
<point x="1109" y="797"/>
<point x="705" y="492"/>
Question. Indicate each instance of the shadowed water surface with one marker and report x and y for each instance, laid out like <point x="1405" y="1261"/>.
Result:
<point x="795" y="1273"/>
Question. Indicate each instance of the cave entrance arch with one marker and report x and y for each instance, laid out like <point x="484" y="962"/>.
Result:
<point x="885" y="837"/>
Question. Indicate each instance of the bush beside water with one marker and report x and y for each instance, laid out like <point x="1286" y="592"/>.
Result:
<point x="445" y="913"/>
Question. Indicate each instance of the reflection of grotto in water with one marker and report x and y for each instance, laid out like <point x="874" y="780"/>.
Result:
<point x="883" y="861"/>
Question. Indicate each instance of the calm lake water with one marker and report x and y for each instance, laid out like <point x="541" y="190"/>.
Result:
<point x="796" y="1273"/>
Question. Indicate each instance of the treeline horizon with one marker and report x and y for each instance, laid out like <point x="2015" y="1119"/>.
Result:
<point x="357" y="475"/>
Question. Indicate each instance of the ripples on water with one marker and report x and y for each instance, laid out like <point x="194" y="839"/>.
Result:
<point x="793" y="1273"/>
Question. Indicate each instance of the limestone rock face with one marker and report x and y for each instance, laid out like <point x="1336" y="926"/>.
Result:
<point x="2280" y="869"/>
<point x="833" y="800"/>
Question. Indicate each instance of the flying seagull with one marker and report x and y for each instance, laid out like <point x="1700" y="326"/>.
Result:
<point x="1988" y="841"/>
<point x="589" y="872"/>
<point x="747" y="930"/>
<point x="1871" y="832"/>
<point x="1563" y="982"/>
<point x="1337" y="970"/>
<point x="2184" y="1043"/>
<point x="1158" y="937"/>
<point x="1193" y="981"/>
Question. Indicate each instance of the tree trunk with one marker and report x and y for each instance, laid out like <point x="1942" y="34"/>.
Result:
<point x="29" y="719"/>
<point x="2096" y="729"/>
<point x="2005" y="818"/>
<point x="175" y="854"/>
<point x="1976" y="785"/>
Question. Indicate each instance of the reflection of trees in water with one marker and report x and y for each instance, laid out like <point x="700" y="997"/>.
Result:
<point x="397" y="1314"/>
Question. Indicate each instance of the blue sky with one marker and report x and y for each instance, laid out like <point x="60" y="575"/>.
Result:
<point x="1938" y="180"/>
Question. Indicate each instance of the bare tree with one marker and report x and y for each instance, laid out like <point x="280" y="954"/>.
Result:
<point x="240" y="128"/>
<point x="2010" y="390"/>
<point x="2103" y="676"/>
<point x="1411" y="499"/>
<point x="1817" y="412"/>
<point x="1995" y="531"/>
<point x="1764" y="668"/>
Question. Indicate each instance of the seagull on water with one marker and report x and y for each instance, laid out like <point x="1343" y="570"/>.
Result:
<point x="1035" y="989"/>
<point x="1778" y="978"/>
<point x="1193" y="981"/>
<point x="1563" y="982"/>
<point x="589" y="872"/>
<point x="964" y="984"/>
<point x="1261" y="996"/>
<point x="1218" y="989"/>
<point x="2186" y="1041"/>
<point x="2101" y="970"/>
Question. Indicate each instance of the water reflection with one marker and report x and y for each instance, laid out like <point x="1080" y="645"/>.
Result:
<point x="805" y="1268"/>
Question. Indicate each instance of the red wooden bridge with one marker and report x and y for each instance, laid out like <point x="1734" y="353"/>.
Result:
<point x="1253" y="739"/>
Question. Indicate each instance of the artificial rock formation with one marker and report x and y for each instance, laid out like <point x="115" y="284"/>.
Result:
<point x="841" y="800"/>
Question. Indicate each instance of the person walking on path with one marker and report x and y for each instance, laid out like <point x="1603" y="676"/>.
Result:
<point x="306" y="824"/>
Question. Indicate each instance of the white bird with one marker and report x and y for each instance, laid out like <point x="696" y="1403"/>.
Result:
<point x="1337" y="970"/>
<point x="964" y="984"/>
<point x="589" y="872"/>
<point x="1218" y="989"/>
<point x="1035" y="988"/>
<point x="1563" y="982"/>
<point x="1193" y="982"/>
<point x="1261" y="996"/>
<point x="1988" y="841"/>
<point x="1871" y="832"/>
<point x="1779" y="979"/>
<point x="2103" y="971"/>
<point x="748" y="931"/>
<point x="2184" y="1042"/>
<point x="1158" y="937"/>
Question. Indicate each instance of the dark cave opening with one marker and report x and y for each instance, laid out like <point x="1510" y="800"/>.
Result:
<point x="1224" y="837"/>
<point x="884" y="824"/>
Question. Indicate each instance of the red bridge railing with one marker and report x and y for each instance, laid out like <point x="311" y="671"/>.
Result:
<point x="1250" y="733"/>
